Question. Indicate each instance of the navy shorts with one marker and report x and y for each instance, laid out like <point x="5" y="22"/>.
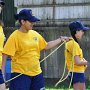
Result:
<point x="25" y="82"/>
<point x="1" y="78"/>
<point x="77" y="77"/>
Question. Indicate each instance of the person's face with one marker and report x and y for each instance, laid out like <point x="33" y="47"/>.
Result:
<point x="79" y="34"/>
<point x="27" y="25"/>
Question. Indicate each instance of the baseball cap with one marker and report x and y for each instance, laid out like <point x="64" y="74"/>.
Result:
<point x="77" y="25"/>
<point x="2" y="3"/>
<point x="26" y="14"/>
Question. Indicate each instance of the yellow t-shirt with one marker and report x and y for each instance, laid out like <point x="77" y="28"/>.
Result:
<point x="72" y="49"/>
<point x="1" y="44"/>
<point x="24" y="49"/>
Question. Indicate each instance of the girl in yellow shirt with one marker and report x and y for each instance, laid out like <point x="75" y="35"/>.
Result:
<point x="73" y="53"/>
<point x="24" y="46"/>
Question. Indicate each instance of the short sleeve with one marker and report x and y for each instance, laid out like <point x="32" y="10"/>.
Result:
<point x="10" y="46"/>
<point x="42" y="43"/>
<point x="76" y="49"/>
<point x="73" y="48"/>
<point x="1" y="39"/>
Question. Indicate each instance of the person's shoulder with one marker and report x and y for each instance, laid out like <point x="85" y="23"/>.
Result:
<point x="14" y="33"/>
<point x="1" y="29"/>
<point x="35" y="32"/>
<point x="0" y="26"/>
<point x="76" y="43"/>
<point x="72" y="43"/>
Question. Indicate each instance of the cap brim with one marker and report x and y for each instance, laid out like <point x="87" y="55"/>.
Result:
<point x="86" y="28"/>
<point x="34" y="19"/>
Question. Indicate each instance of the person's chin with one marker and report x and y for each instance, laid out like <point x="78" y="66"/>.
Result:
<point x="79" y="38"/>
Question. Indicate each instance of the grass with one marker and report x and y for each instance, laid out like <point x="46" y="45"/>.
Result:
<point x="54" y="89"/>
<point x="58" y="89"/>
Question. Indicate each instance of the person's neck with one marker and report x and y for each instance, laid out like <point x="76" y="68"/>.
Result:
<point x="23" y="30"/>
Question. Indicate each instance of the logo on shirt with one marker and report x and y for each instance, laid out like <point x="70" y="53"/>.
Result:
<point x="35" y="38"/>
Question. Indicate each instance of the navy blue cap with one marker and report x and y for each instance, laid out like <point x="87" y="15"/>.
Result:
<point x="77" y="25"/>
<point x="26" y="14"/>
<point x="2" y="3"/>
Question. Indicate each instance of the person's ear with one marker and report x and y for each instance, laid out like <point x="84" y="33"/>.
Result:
<point x="77" y="31"/>
<point x="22" y="22"/>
